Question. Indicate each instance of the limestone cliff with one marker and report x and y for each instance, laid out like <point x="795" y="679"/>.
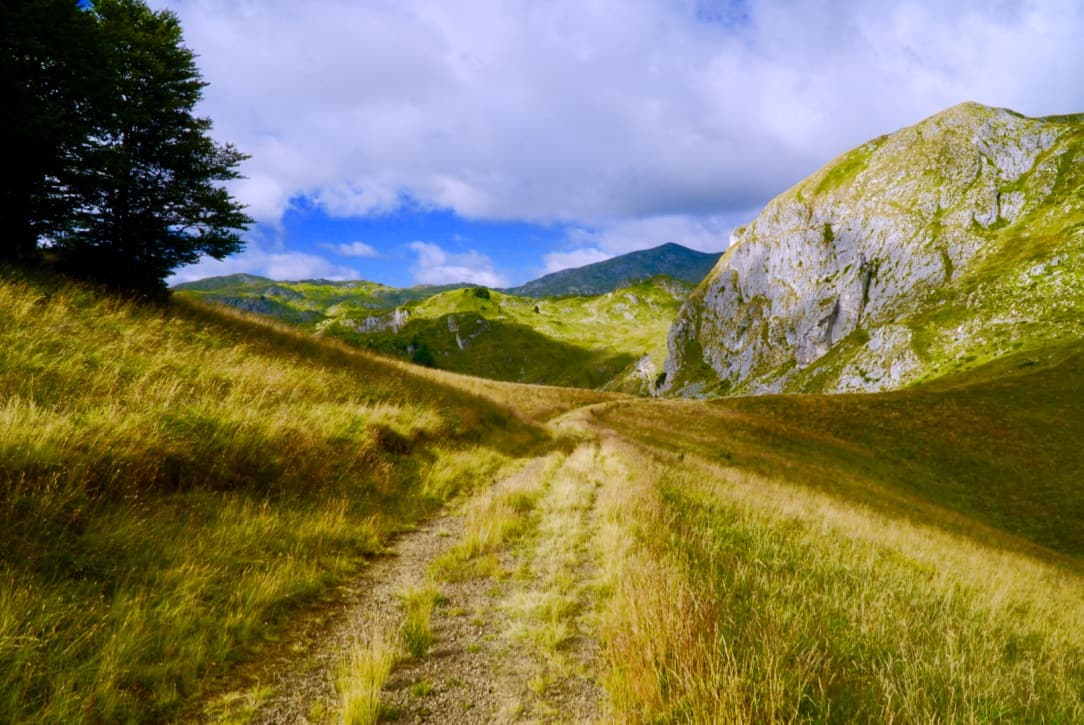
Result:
<point x="943" y="244"/>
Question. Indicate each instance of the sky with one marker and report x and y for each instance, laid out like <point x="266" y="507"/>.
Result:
<point x="493" y="141"/>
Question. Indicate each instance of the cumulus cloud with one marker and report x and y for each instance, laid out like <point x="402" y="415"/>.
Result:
<point x="275" y="264"/>
<point x="436" y="266"/>
<point x="353" y="249"/>
<point x="708" y="233"/>
<point x="605" y="113"/>
<point x="556" y="261"/>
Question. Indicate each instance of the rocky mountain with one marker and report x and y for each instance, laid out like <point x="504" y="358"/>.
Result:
<point x="920" y="253"/>
<point x="599" y="278"/>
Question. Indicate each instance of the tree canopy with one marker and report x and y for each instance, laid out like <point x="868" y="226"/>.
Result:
<point x="118" y="177"/>
<point x="49" y="72"/>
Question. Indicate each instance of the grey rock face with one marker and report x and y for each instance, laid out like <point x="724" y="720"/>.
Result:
<point x="393" y="321"/>
<point x="851" y="247"/>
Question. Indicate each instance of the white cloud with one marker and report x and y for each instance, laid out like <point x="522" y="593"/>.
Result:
<point x="708" y="233"/>
<point x="436" y="266"/>
<point x="602" y="112"/>
<point x="353" y="249"/>
<point x="278" y="265"/>
<point x="556" y="261"/>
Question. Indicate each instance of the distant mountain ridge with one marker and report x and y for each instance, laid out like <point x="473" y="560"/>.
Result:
<point x="608" y="275"/>
<point x="671" y="260"/>
<point x="613" y="339"/>
<point x="226" y="281"/>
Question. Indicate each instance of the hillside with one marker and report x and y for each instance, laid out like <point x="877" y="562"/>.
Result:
<point x="307" y="300"/>
<point x="609" y="275"/>
<point x="926" y="251"/>
<point x="615" y="341"/>
<point x="176" y="483"/>
<point x="196" y="500"/>
<point x="849" y="557"/>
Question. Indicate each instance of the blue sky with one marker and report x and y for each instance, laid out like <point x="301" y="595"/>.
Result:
<point x="491" y="141"/>
<point x="411" y="245"/>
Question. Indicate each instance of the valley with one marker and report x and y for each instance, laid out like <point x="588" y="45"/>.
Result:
<point x="266" y="501"/>
<point x="612" y="341"/>
<point x="912" y="555"/>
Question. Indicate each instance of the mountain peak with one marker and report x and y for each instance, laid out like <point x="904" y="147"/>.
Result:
<point x="670" y="259"/>
<point x="897" y="257"/>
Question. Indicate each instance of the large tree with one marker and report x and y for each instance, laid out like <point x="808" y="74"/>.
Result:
<point x="154" y="198"/>
<point x="50" y="83"/>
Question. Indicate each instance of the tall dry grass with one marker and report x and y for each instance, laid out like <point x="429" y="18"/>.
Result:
<point x="175" y="481"/>
<point x="735" y="598"/>
<point x="364" y="668"/>
<point x="493" y="519"/>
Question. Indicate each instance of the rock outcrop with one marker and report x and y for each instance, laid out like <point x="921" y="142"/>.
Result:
<point x="883" y="267"/>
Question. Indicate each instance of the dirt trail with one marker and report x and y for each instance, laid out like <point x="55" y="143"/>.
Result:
<point x="516" y="648"/>
<point x="303" y="684"/>
<point x="511" y="648"/>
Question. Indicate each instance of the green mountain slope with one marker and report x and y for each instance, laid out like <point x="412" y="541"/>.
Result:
<point x="926" y="251"/>
<point x="306" y="295"/>
<point x="609" y="275"/>
<point x="615" y="340"/>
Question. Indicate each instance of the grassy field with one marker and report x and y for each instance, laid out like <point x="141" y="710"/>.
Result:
<point x="174" y="483"/>
<point x="779" y="603"/>
<point x="178" y="484"/>
<point x="996" y="447"/>
<point x="905" y="557"/>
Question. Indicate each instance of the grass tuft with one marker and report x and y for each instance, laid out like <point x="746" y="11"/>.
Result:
<point x="361" y="675"/>
<point x="416" y="629"/>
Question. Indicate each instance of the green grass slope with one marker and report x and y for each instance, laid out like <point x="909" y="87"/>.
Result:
<point x="915" y="556"/>
<point x="994" y="451"/>
<point x="614" y="341"/>
<point x="175" y="482"/>
<point x="314" y="297"/>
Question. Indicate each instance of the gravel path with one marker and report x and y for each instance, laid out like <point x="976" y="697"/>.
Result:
<point x="480" y="669"/>
<point x="485" y="667"/>
<point x="303" y="687"/>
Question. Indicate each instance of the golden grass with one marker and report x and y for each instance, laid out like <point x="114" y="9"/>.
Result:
<point x="545" y="615"/>
<point x="493" y="518"/>
<point x="416" y="629"/>
<point x="777" y="603"/>
<point x="368" y="661"/>
<point x="362" y="672"/>
<point x="176" y="481"/>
